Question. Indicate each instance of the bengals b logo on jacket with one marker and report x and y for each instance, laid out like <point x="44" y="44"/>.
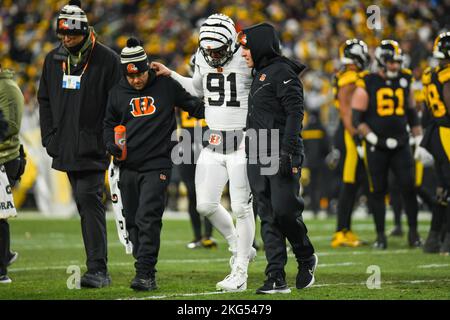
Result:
<point x="142" y="106"/>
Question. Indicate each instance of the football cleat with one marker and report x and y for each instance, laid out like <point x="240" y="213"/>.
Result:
<point x="251" y="257"/>
<point x="236" y="281"/>
<point x="396" y="232"/>
<point x="194" y="244"/>
<point x="305" y="275"/>
<point x="209" y="243"/>
<point x="414" y="239"/>
<point x="275" y="283"/>
<point x="381" y="242"/>
<point x="338" y="240"/>
<point x="353" y="240"/>
<point x="445" y="247"/>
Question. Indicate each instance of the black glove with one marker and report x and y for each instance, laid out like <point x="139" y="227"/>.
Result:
<point x="114" y="150"/>
<point x="285" y="164"/>
<point x="23" y="162"/>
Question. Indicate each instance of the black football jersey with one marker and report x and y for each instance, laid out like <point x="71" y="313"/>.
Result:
<point x="388" y="100"/>
<point x="433" y="80"/>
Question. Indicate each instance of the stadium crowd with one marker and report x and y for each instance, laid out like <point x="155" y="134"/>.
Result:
<point x="308" y="30"/>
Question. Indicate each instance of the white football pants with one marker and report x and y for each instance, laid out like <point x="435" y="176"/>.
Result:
<point x="213" y="171"/>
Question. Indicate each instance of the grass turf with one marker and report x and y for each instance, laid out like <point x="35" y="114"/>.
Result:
<point x="48" y="247"/>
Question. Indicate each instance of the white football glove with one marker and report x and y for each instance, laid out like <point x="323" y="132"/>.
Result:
<point x="372" y="138"/>
<point x="360" y="151"/>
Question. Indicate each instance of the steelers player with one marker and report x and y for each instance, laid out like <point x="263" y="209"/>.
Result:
<point x="383" y="107"/>
<point x="436" y="82"/>
<point x="354" y="57"/>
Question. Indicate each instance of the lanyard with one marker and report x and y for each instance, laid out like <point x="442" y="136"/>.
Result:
<point x="85" y="66"/>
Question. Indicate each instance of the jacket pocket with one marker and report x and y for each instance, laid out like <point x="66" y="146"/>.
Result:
<point x="53" y="146"/>
<point x="90" y="144"/>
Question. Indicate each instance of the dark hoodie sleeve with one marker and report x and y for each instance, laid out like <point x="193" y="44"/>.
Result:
<point x="45" y="111"/>
<point x="289" y="90"/>
<point x="112" y="119"/>
<point x="193" y="105"/>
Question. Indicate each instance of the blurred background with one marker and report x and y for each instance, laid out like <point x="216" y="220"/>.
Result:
<point x="311" y="31"/>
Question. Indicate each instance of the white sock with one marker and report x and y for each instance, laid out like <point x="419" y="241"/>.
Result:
<point x="223" y="222"/>
<point x="245" y="228"/>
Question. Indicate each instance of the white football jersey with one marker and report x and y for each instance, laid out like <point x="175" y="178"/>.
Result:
<point x="224" y="91"/>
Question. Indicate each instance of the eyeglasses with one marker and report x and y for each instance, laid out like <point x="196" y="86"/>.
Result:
<point x="69" y="36"/>
<point x="242" y="40"/>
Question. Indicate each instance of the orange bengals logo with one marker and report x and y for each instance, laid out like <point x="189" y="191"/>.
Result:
<point x="63" y="25"/>
<point x="143" y="106"/>
<point x="214" y="139"/>
<point x="131" y="68"/>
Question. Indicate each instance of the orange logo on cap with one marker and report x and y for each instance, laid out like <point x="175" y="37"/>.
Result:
<point x="63" y="24"/>
<point x="131" y="68"/>
<point x="242" y="38"/>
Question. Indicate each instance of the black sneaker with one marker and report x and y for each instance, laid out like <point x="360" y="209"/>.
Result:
<point x="305" y="275"/>
<point x="5" y="279"/>
<point x="396" y="232"/>
<point x="143" y="284"/>
<point x="97" y="279"/>
<point x="274" y="284"/>
<point x="432" y="244"/>
<point x="380" y="243"/>
<point x="414" y="239"/>
<point x="12" y="257"/>
<point x="445" y="247"/>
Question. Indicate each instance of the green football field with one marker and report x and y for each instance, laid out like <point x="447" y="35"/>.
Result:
<point x="49" y="247"/>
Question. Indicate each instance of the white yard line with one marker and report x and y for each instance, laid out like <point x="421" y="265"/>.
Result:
<point x="436" y="265"/>
<point x="168" y="261"/>
<point x="181" y="295"/>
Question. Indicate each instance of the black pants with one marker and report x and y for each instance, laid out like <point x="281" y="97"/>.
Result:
<point x="400" y="160"/>
<point x="12" y="168"/>
<point x="280" y="209"/>
<point x="187" y="172"/>
<point x="144" y="196"/>
<point x="87" y="188"/>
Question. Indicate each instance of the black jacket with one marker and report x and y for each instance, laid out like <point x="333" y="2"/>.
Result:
<point x="72" y="120"/>
<point x="276" y="94"/>
<point x="149" y="118"/>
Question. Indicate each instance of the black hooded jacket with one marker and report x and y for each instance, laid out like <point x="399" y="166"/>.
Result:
<point x="276" y="94"/>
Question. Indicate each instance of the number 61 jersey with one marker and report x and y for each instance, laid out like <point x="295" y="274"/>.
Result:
<point x="388" y="101"/>
<point x="225" y="91"/>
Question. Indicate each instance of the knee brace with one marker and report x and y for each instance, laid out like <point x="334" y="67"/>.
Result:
<point x="241" y="209"/>
<point x="206" y="209"/>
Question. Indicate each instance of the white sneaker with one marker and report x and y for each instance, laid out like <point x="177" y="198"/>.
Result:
<point x="234" y="282"/>
<point x="5" y="279"/>
<point x="251" y="257"/>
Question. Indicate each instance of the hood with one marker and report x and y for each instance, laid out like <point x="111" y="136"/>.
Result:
<point x="263" y="42"/>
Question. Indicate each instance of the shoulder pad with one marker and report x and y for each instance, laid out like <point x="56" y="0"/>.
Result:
<point x="444" y="75"/>
<point x="407" y="71"/>
<point x="347" y="77"/>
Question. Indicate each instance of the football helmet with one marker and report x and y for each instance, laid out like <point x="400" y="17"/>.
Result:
<point x="441" y="48"/>
<point x="388" y="50"/>
<point x="354" y="51"/>
<point x="217" y="40"/>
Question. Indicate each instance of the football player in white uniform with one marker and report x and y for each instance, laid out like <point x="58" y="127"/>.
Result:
<point x="221" y="76"/>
